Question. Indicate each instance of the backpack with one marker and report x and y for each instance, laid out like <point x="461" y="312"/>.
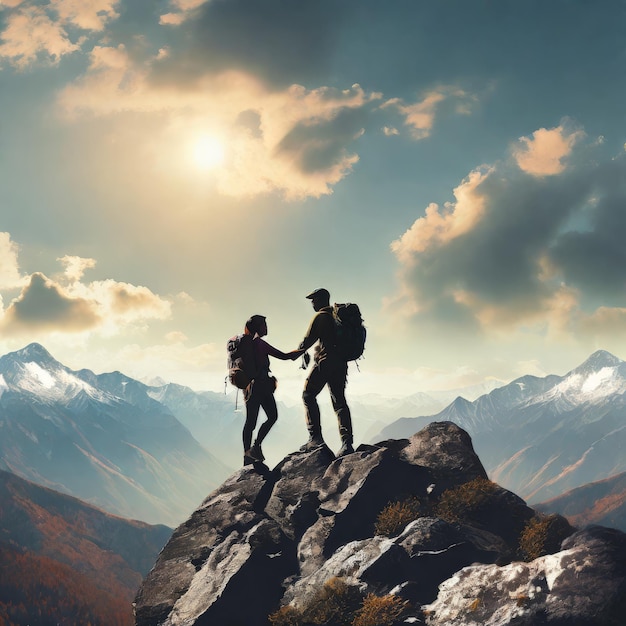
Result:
<point x="351" y="333"/>
<point x="240" y="362"/>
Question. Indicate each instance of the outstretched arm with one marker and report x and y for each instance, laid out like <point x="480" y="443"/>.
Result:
<point x="283" y="356"/>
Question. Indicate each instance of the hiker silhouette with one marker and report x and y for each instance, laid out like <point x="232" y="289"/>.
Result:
<point x="260" y="392"/>
<point x="329" y="368"/>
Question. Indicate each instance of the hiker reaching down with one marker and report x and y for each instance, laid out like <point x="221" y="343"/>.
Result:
<point x="260" y="392"/>
<point x="330" y="368"/>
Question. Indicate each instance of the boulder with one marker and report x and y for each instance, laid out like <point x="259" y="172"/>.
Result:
<point x="271" y="539"/>
<point x="582" y="585"/>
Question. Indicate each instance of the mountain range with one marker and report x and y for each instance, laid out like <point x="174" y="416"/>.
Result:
<point x="542" y="437"/>
<point x="101" y="438"/>
<point x="69" y="561"/>
<point x="602" y="502"/>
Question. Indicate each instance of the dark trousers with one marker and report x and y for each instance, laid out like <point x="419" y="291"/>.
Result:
<point x="260" y="394"/>
<point x="334" y="374"/>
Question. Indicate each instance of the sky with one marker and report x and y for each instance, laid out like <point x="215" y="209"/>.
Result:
<point x="457" y="168"/>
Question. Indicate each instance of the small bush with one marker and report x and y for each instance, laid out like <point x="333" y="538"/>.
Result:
<point x="335" y="603"/>
<point x="543" y="535"/>
<point x="465" y="502"/>
<point x="380" y="611"/>
<point x="286" y="616"/>
<point x="396" y="515"/>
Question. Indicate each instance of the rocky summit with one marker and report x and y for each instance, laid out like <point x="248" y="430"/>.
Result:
<point x="406" y="531"/>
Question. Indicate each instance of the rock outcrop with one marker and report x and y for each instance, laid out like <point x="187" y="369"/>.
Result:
<point x="268" y="543"/>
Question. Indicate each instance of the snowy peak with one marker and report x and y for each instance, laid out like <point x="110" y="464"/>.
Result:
<point x="602" y="375"/>
<point x="598" y="361"/>
<point x="34" y="370"/>
<point x="34" y="353"/>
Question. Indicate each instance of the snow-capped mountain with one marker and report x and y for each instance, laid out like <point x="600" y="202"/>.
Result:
<point x="101" y="438"/>
<point x="541" y="437"/>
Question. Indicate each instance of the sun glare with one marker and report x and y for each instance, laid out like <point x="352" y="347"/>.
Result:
<point x="207" y="153"/>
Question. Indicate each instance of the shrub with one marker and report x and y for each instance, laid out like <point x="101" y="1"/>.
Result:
<point x="380" y="611"/>
<point x="286" y="616"/>
<point x="465" y="502"/>
<point x="396" y="515"/>
<point x="335" y="603"/>
<point x="543" y="535"/>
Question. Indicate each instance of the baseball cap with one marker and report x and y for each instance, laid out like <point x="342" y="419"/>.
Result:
<point x="319" y="293"/>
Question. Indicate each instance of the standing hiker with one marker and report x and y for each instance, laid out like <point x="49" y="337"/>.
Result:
<point x="260" y="392"/>
<point x="330" y="368"/>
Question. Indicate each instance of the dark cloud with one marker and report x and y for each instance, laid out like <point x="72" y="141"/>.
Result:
<point x="536" y="237"/>
<point x="42" y="305"/>
<point x="319" y="145"/>
<point x="280" y="41"/>
<point x="593" y="258"/>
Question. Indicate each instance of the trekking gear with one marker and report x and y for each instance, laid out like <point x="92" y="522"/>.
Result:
<point x="315" y="441"/>
<point x="346" y="448"/>
<point x="351" y="333"/>
<point x="255" y="453"/>
<point x="241" y="364"/>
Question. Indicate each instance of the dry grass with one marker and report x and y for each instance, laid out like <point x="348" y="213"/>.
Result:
<point x="543" y="535"/>
<point x="380" y="611"/>
<point x="463" y="503"/>
<point x="396" y="515"/>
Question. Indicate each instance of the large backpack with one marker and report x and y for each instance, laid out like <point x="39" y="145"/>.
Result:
<point x="351" y="333"/>
<point x="241" y="364"/>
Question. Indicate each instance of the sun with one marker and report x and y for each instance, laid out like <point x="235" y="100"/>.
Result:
<point x="207" y="152"/>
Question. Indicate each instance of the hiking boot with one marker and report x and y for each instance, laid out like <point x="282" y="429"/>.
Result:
<point x="346" y="448"/>
<point x="314" y="442"/>
<point x="255" y="453"/>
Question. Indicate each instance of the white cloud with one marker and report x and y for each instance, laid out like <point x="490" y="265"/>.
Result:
<point x="420" y="116"/>
<point x="544" y="153"/>
<point x="75" y="266"/>
<point x="518" y="256"/>
<point x="86" y="14"/>
<point x="182" y="10"/>
<point x="300" y="146"/>
<point x="10" y="277"/>
<point x="29" y="33"/>
<point x="69" y="305"/>
<point x="39" y="32"/>
<point x="438" y="227"/>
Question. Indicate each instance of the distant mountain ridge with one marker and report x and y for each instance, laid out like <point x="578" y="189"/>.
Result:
<point x="101" y="438"/>
<point x="602" y="502"/>
<point x="57" y="545"/>
<point x="541" y="437"/>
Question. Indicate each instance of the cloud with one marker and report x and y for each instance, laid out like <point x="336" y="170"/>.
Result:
<point x="182" y="10"/>
<point x="279" y="41"/>
<point x="516" y="253"/>
<point x="86" y="14"/>
<point x="438" y="227"/>
<point x="544" y="154"/>
<point x="69" y="305"/>
<point x="31" y="33"/>
<point x="419" y="117"/>
<point x="36" y="32"/>
<point x="43" y="305"/>
<point x="299" y="143"/>
<point x="10" y="276"/>
<point x="75" y="266"/>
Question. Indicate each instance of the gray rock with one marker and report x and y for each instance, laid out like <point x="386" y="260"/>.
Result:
<point x="582" y="585"/>
<point x="293" y="502"/>
<point x="263" y="540"/>
<point x="217" y="554"/>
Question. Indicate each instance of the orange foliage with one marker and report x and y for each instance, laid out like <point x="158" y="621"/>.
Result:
<point x="37" y="591"/>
